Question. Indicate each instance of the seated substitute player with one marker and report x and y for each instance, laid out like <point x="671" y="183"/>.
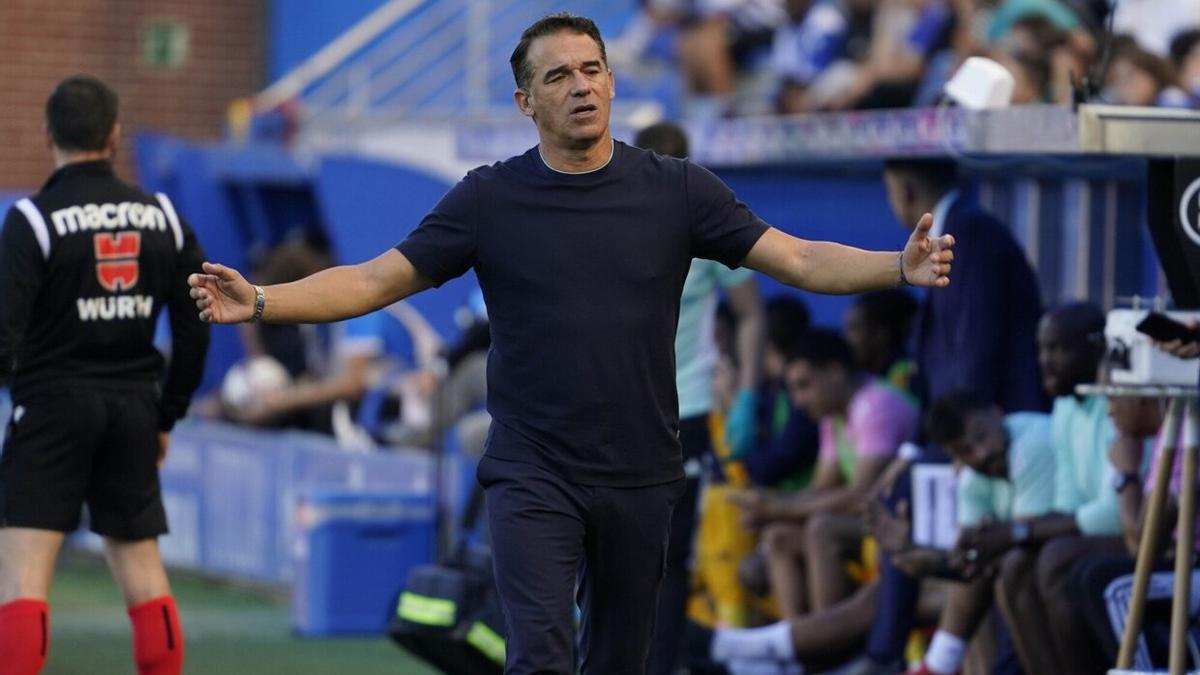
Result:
<point x="1007" y="476"/>
<point x="86" y="266"/>
<point x="581" y="246"/>
<point x="863" y="421"/>
<point x="1006" y="479"/>
<point x="1048" y="632"/>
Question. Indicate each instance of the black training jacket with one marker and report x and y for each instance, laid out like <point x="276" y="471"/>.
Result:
<point x="86" y="266"/>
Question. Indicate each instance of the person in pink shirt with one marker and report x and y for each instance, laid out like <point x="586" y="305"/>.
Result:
<point x="807" y="536"/>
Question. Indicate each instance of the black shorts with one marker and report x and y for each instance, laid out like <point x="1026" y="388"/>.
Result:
<point x="66" y="447"/>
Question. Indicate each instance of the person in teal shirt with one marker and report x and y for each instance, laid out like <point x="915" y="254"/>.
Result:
<point x="774" y="439"/>
<point x="695" y="348"/>
<point x="1005" y="480"/>
<point x="1017" y="482"/>
<point x="695" y="364"/>
<point x="1047" y="631"/>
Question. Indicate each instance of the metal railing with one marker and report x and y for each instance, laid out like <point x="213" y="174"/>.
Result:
<point x="437" y="59"/>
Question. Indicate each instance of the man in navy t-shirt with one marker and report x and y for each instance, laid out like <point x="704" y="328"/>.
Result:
<point x="581" y="246"/>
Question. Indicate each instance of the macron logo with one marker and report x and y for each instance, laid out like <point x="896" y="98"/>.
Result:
<point x="108" y="217"/>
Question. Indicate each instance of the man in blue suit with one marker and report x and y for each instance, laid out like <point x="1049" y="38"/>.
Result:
<point x="980" y="335"/>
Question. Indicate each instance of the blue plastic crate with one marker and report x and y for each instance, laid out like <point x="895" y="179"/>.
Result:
<point x="352" y="554"/>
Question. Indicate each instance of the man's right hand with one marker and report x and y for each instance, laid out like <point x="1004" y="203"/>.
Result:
<point x="222" y="295"/>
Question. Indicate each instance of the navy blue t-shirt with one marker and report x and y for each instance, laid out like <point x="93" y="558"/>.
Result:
<point x="582" y="275"/>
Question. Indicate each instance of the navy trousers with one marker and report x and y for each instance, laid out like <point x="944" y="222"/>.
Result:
<point x="557" y="543"/>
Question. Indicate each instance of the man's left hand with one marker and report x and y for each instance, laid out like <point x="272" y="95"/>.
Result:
<point x="164" y="442"/>
<point x="926" y="260"/>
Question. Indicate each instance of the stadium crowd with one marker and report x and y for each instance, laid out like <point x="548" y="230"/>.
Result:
<point x="792" y="56"/>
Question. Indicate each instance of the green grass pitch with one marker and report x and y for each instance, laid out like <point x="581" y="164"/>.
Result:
<point x="229" y="631"/>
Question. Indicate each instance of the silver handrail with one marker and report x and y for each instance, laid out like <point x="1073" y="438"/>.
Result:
<point x="443" y="57"/>
<point x="388" y="52"/>
<point x="334" y="54"/>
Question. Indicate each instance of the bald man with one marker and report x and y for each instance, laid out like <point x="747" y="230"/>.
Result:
<point x="1048" y="634"/>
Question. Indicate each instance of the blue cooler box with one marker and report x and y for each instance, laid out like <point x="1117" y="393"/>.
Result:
<point x="353" y="552"/>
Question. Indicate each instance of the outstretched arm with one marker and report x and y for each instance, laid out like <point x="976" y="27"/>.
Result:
<point x="224" y="296"/>
<point x="826" y="267"/>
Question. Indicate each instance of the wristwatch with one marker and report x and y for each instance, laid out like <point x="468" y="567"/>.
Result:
<point x="1020" y="532"/>
<point x="1124" y="480"/>
<point x="260" y="303"/>
<point x="903" y="278"/>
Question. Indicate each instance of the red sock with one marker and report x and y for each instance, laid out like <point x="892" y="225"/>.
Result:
<point x="24" y="636"/>
<point x="157" y="637"/>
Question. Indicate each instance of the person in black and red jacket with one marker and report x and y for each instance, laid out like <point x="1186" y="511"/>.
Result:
<point x="86" y="266"/>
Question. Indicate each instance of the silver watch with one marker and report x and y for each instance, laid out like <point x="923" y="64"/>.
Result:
<point x="260" y="303"/>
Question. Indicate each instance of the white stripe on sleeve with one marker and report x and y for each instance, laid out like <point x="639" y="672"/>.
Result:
<point x="172" y="218"/>
<point x="38" y="224"/>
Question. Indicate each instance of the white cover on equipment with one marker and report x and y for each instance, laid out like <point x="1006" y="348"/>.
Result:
<point x="1135" y="360"/>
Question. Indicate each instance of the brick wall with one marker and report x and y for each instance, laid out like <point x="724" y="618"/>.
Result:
<point x="43" y="41"/>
